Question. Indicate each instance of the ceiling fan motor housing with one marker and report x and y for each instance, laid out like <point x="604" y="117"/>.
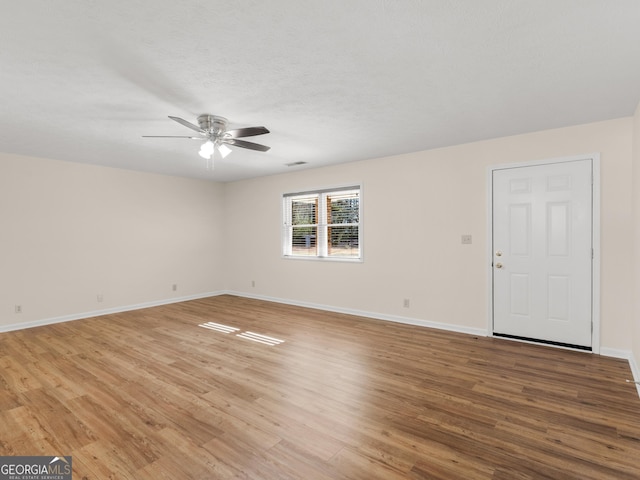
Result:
<point x="212" y="124"/>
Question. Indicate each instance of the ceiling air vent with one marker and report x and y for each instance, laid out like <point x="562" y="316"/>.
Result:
<point x="295" y="164"/>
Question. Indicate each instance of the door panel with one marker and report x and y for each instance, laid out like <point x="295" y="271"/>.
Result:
<point x="520" y="303"/>
<point x="519" y="229"/>
<point x="542" y="244"/>
<point x="558" y="228"/>
<point x="558" y="297"/>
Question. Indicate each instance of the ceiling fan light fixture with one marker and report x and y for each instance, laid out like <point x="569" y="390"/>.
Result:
<point x="224" y="150"/>
<point x="206" y="150"/>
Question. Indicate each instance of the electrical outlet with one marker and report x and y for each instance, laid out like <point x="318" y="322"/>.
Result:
<point x="406" y="303"/>
<point x="18" y="308"/>
<point x="253" y="283"/>
<point x="174" y="287"/>
<point x="99" y="297"/>
<point x="466" y="239"/>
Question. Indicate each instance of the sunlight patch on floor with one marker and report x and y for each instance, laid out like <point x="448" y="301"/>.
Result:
<point x="256" y="337"/>
<point x="218" y="327"/>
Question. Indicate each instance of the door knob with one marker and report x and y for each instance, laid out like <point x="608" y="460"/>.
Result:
<point x="498" y="265"/>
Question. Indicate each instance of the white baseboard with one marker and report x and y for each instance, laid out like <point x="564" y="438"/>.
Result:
<point x="615" y="353"/>
<point x="628" y="356"/>
<point x="635" y="372"/>
<point x="362" y="313"/>
<point x="106" y="311"/>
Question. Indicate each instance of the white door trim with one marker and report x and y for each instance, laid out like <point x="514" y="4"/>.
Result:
<point x="595" y="238"/>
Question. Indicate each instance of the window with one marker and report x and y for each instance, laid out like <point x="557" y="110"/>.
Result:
<point x="323" y="224"/>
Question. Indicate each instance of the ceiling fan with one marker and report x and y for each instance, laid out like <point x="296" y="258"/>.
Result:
<point x="212" y="130"/>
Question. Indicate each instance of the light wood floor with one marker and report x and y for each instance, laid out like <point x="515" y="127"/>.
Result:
<point x="151" y="395"/>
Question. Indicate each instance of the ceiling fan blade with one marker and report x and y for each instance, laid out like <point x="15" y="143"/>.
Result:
<point x="173" y="136"/>
<point x="245" y="144"/>
<point x="187" y="124"/>
<point x="246" y="132"/>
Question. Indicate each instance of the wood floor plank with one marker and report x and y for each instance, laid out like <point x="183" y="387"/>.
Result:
<point x="149" y="394"/>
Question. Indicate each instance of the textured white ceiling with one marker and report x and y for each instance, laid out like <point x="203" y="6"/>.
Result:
<point x="334" y="80"/>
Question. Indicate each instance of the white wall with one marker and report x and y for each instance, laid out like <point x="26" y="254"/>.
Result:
<point x="416" y="207"/>
<point x="72" y="231"/>
<point x="636" y="205"/>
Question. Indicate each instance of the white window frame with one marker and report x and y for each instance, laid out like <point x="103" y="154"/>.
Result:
<point x="322" y="225"/>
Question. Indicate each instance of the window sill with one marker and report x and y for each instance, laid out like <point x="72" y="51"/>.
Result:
<point x="323" y="259"/>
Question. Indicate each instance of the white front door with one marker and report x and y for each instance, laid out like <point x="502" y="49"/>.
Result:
<point x="542" y="252"/>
